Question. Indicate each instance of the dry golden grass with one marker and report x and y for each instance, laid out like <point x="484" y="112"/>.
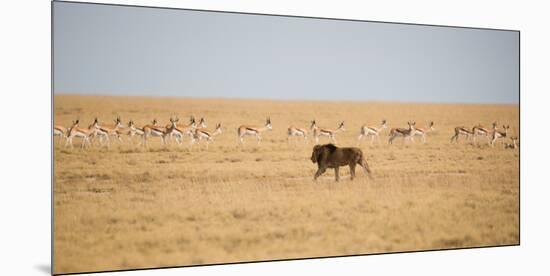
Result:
<point x="129" y="207"/>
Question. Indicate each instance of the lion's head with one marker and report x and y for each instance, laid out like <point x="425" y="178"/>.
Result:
<point x="317" y="150"/>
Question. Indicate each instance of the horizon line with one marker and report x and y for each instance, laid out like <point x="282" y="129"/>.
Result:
<point x="288" y="99"/>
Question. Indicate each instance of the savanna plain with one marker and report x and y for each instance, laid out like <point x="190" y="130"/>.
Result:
<point x="127" y="206"/>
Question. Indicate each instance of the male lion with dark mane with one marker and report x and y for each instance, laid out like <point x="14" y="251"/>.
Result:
<point x="331" y="156"/>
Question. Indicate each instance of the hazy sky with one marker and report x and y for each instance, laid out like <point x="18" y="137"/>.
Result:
<point x="113" y="50"/>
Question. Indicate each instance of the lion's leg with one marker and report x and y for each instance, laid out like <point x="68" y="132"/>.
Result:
<point x="337" y="173"/>
<point x="352" y="170"/>
<point x="365" y="166"/>
<point x="319" y="172"/>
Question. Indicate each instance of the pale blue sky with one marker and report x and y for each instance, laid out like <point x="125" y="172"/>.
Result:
<point x="114" y="50"/>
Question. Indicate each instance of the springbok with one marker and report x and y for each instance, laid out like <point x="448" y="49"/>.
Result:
<point x="245" y="130"/>
<point x="94" y="129"/>
<point x="189" y="129"/>
<point x="104" y="131"/>
<point x="180" y="131"/>
<point x="75" y="131"/>
<point x="481" y="131"/>
<point x="61" y="132"/>
<point x="406" y="133"/>
<point x="202" y="134"/>
<point x="154" y="131"/>
<point x="331" y="134"/>
<point x="172" y="129"/>
<point x="499" y="134"/>
<point x="513" y="145"/>
<point x="374" y="132"/>
<point x="423" y="131"/>
<point x="297" y="132"/>
<point x="134" y="130"/>
<point x="202" y="123"/>
<point x="461" y="131"/>
<point x="124" y="131"/>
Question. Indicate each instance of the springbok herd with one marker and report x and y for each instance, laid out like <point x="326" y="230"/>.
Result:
<point x="198" y="132"/>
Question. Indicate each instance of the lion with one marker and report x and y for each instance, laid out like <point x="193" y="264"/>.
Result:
<point x="331" y="156"/>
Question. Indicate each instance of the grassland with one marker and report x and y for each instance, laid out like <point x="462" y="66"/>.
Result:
<point x="130" y="207"/>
